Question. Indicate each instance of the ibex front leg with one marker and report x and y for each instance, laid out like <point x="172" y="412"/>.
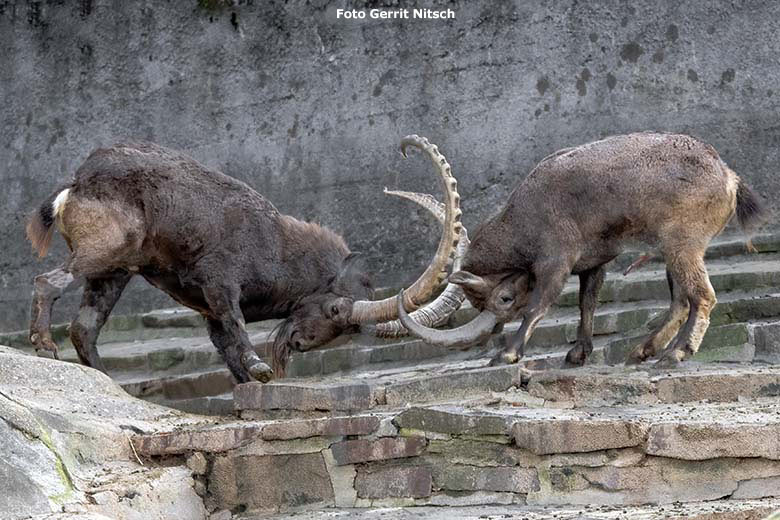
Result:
<point x="590" y="284"/>
<point x="48" y="288"/>
<point x="228" y="333"/>
<point x="549" y="280"/>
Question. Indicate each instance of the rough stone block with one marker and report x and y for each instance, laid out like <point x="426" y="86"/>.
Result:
<point x="289" y="396"/>
<point x="303" y="364"/>
<point x="165" y="359"/>
<point x="327" y="427"/>
<point x="581" y="389"/>
<point x="767" y="341"/>
<point x="757" y="488"/>
<point x="453" y="421"/>
<point x="210" y="440"/>
<point x="575" y="435"/>
<point x="718" y="386"/>
<point x="664" y="483"/>
<point x="481" y="453"/>
<point x="469" y="498"/>
<point x="197" y="463"/>
<point x="364" y="450"/>
<point x="394" y="481"/>
<point x="709" y="441"/>
<point x="451" y="385"/>
<point x="271" y="481"/>
<point x="457" y="477"/>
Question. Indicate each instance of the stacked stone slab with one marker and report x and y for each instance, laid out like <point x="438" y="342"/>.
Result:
<point x="589" y="436"/>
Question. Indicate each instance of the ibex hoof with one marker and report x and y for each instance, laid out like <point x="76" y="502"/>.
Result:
<point x="44" y="346"/>
<point x="260" y="372"/>
<point x="670" y="359"/>
<point x="636" y="357"/>
<point x="504" y="358"/>
<point x="577" y="355"/>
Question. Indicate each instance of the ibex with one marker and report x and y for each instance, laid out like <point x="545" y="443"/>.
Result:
<point x="575" y="212"/>
<point x="216" y="246"/>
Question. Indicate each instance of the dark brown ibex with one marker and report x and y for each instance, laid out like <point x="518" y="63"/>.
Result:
<point x="575" y="212"/>
<point x="214" y="245"/>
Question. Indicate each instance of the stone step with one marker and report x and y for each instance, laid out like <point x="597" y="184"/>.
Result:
<point x="651" y="284"/>
<point x="183" y="322"/>
<point x="198" y="391"/>
<point x="560" y="326"/>
<point x="472" y="379"/>
<point x="176" y="371"/>
<point x="178" y="322"/>
<point x="716" y="509"/>
<point x="499" y="451"/>
<point x="163" y="366"/>
<point x="619" y="385"/>
<point x="731" y="247"/>
<point x="158" y="387"/>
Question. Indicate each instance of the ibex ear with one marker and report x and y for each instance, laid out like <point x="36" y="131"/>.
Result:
<point x="471" y="283"/>
<point x="352" y="279"/>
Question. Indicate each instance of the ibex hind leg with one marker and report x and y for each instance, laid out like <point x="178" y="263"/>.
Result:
<point x="690" y="272"/>
<point x="668" y="328"/>
<point x="97" y="302"/>
<point x="47" y="289"/>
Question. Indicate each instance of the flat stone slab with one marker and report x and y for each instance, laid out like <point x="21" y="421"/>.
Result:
<point x="369" y="389"/>
<point x="219" y="438"/>
<point x="717" y="509"/>
<point x="603" y="385"/>
<point x="681" y="431"/>
<point x="295" y="395"/>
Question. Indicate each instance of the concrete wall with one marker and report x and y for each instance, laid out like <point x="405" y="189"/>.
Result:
<point x="308" y="109"/>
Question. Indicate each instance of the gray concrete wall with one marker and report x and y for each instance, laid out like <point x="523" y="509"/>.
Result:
<point x="308" y="109"/>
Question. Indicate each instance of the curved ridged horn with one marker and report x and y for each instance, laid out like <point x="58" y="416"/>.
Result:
<point x="465" y="335"/>
<point x="365" y="311"/>
<point x="439" y="310"/>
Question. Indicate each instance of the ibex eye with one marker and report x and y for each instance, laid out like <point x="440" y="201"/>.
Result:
<point x="334" y="310"/>
<point x="506" y="299"/>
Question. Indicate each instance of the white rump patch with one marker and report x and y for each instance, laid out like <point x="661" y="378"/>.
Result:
<point x="59" y="203"/>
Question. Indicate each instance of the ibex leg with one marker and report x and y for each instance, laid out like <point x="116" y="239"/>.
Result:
<point x="689" y="271"/>
<point x="48" y="288"/>
<point x="661" y="336"/>
<point x="548" y="284"/>
<point x="590" y="284"/>
<point x="97" y="302"/>
<point x="228" y="333"/>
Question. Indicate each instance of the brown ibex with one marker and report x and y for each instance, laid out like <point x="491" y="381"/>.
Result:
<point x="575" y="212"/>
<point x="216" y="246"/>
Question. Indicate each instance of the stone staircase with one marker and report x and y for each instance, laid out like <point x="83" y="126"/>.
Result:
<point x="166" y="357"/>
<point x="388" y="423"/>
<point x="593" y="436"/>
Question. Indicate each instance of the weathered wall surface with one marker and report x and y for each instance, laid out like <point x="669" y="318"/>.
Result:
<point x="308" y="109"/>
